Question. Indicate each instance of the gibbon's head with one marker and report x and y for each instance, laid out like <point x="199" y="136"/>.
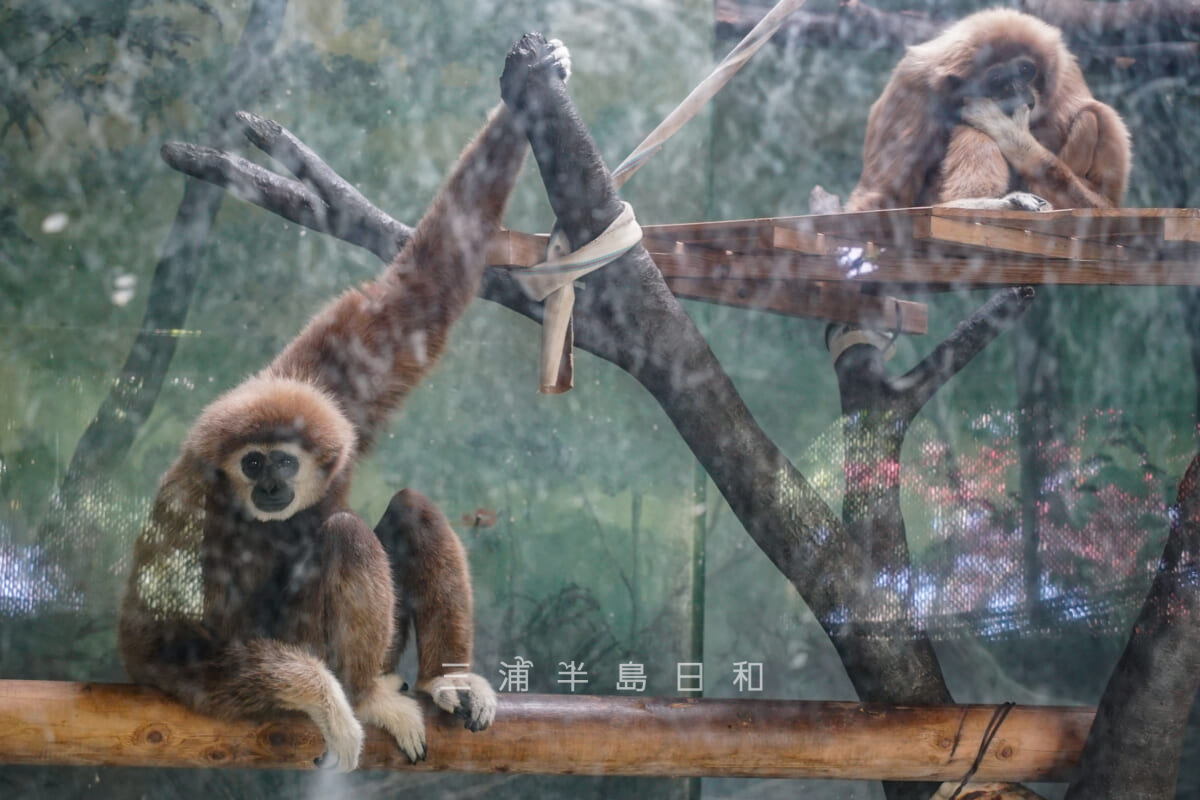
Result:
<point x="1013" y="58"/>
<point x="278" y="442"/>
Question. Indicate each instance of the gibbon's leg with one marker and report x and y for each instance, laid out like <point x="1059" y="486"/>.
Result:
<point x="433" y="590"/>
<point x="264" y="675"/>
<point x="975" y="174"/>
<point x="973" y="167"/>
<point x="354" y="600"/>
<point x="1041" y="171"/>
<point x="1079" y="152"/>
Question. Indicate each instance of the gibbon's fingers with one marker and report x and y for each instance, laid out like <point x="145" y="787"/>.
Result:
<point x="398" y="714"/>
<point x="1020" y="117"/>
<point x="561" y="57"/>
<point x="984" y="113"/>
<point x="465" y="695"/>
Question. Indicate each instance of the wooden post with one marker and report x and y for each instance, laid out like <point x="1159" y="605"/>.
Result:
<point x="44" y="722"/>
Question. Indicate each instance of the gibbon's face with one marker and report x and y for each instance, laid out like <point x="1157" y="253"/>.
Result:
<point x="1012" y="83"/>
<point x="275" y="480"/>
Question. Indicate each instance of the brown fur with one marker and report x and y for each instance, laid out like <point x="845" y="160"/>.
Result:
<point x="1076" y="153"/>
<point x="240" y="617"/>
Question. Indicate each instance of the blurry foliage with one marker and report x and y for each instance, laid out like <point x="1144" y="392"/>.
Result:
<point x="543" y="489"/>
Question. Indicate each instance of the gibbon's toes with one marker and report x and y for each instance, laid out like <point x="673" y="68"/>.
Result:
<point x="413" y="746"/>
<point x="467" y="696"/>
<point x="399" y="715"/>
<point x="1025" y="201"/>
<point x="559" y="56"/>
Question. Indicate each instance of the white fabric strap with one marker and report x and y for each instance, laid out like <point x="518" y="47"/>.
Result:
<point x="560" y="270"/>
<point x="553" y="281"/>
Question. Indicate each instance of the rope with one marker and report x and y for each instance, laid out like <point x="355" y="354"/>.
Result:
<point x="553" y="280"/>
<point x="706" y="89"/>
<point x="989" y="733"/>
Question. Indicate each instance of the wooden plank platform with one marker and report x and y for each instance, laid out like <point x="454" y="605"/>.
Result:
<point x="47" y="722"/>
<point x="849" y="267"/>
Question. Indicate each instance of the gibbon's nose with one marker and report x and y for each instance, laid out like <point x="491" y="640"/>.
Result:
<point x="272" y="493"/>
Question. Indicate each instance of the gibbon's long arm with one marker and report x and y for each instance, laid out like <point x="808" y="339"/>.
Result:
<point x="372" y="345"/>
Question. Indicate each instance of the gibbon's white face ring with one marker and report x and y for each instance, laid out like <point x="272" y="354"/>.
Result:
<point x="302" y="476"/>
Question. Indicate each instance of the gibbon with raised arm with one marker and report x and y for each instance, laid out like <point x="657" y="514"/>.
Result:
<point x="994" y="105"/>
<point x="254" y="588"/>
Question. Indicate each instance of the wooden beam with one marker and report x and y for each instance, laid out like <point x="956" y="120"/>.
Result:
<point x="1011" y="240"/>
<point x="815" y="301"/>
<point x="44" y="722"/>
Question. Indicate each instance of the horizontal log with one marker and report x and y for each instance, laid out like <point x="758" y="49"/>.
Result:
<point x="45" y="722"/>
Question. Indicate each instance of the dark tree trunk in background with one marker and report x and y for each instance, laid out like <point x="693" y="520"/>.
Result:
<point x="108" y="438"/>
<point x="1039" y="429"/>
<point x="1133" y="750"/>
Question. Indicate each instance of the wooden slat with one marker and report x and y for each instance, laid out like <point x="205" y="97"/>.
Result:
<point x="1012" y="240"/>
<point x="962" y="273"/>
<point x="829" y="303"/>
<point x="1182" y="230"/>
<point x="43" y="722"/>
<point x="926" y="248"/>
<point x="813" y="244"/>
<point x="516" y="249"/>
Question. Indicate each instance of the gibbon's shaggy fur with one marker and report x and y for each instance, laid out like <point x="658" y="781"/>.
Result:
<point x="254" y="588"/>
<point x="938" y="132"/>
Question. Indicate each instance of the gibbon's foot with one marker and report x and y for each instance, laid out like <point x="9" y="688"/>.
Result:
<point x="1013" y="201"/>
<point x="531" y="55"/>
<point x="465" y="695"/>
<point x="343" y="744"/>
<point x="398" y="714"/>
<point x="1025" y="201"/>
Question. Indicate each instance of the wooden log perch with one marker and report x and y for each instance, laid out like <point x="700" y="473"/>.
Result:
<point x="46" y="722"/>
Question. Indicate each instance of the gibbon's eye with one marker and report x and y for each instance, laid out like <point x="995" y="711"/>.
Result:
<point x="286" y="464"/>
<point x="1027" y="70"/>
<point x="252" y="465"/>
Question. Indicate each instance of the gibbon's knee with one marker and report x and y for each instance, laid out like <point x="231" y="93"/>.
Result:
<point x="416" y="534"/>
<point x="356" y="595"/>
<point x="432" y="582"/>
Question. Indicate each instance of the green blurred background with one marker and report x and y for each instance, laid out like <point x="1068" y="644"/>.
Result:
<point x="599" y="510"/>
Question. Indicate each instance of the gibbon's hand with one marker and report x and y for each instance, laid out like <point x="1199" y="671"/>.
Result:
<point x="532" y="58"/>
<point x="1010" y="133"/>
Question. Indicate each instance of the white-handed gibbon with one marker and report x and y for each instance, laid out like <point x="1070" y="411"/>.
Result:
<point x="254" y="588"/>
<point x="992" y="105"/>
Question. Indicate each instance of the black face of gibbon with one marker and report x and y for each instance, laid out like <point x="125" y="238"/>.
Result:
<point x="1012" y="83"/>
<point x="272" y="473"/>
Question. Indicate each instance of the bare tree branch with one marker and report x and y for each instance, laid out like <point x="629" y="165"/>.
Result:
<point x="966" y="341"/>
